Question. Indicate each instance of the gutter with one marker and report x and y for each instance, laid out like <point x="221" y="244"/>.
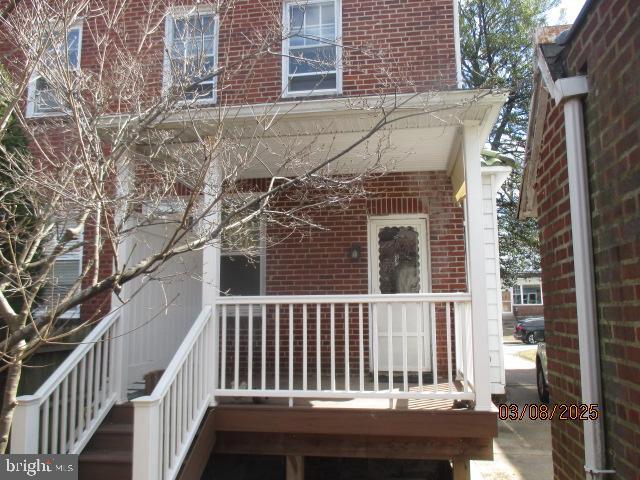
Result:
<point x="569" y="92"/>
<point x="577" y="23"/>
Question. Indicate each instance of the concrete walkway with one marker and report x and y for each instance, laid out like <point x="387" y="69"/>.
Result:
<point x="522" y="450"/>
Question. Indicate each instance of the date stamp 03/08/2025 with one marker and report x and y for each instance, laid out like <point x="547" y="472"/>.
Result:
<point x="560" y="411"/>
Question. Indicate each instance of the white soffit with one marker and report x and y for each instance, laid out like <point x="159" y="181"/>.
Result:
<point x="312" y="131"/>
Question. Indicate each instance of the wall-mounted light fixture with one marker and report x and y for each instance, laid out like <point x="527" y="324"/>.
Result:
<point x="355" y="251"/>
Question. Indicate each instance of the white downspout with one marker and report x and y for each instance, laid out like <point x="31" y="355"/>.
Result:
<point x="456" y="39"/>
<point x="570" y="91"/>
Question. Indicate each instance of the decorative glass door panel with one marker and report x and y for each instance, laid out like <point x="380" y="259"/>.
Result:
<point x="399" y="264"/>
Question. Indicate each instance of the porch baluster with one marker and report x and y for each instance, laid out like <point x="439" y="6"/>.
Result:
<point x="449" y="362"/>
<point x="347" y="383"/>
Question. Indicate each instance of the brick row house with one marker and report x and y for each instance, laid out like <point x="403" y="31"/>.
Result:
<point x="377" y="335"/>
<point x="582" y="183"/>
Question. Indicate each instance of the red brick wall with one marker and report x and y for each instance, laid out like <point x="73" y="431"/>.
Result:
<point x="528" y="310"/>
<point x="390" y="46"/>
<point x="606" y="49"/>
<point x="56" y="146"/>
<point x="558" y="285"/>
<point x="315" y="261"/>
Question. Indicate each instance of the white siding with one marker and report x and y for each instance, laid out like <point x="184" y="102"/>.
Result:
<point x="161" y="313"/>
<point x="492" y="269"/>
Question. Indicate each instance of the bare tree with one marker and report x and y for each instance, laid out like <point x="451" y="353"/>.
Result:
<point x="115" y="152"/>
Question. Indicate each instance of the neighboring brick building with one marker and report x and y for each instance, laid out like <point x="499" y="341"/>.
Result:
<point x="601" y="47"/>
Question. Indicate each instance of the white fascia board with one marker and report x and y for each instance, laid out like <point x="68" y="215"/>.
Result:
<point x="563" y="88"/>
<point x="566" y="88"/>
<point x="334" y="106"/>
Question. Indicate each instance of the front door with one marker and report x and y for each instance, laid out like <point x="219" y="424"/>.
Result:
<point x="400" y="264"/>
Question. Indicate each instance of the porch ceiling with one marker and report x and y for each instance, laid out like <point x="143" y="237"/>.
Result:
<point x="285" y="138"/>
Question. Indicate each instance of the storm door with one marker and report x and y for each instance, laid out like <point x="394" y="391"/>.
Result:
<point x="399" y="263"/>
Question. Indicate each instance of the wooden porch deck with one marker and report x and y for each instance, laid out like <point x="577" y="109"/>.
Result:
<point x="355" y="431"/>
<point x="422" y="429"/>
<point x="358" y="403"/>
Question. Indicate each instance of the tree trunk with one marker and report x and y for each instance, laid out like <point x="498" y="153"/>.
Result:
<point x="9" y="397"/>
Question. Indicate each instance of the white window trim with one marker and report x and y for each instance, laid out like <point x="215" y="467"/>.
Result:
<point x="73" y="313"/>
<point x="521" y="290"/>
<point x="31" y="90"/>
<point x="76" y="254"/>
<point x="172" y="13"/>
<point x="285" y="51"/>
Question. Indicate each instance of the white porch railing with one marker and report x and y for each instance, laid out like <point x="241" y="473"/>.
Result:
<point x="166" y="421"/>
<point x="339" y="346"/>
<point x="67" y="409"/>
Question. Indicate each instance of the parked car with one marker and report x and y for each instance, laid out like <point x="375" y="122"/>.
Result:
<point x="541" y="370"/>
<point x="525" y="329"/>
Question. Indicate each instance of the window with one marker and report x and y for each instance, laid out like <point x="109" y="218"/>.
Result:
<point x="242" y="258"/>
<point x="531" y="295"/>
<point x="43" y="98"/>
<point x="527" y="295"/>
<point x="311" y="54"/>
<point x="64" y="274"/>
<point x="517" y="298"/>
<point x="191" y="54"/>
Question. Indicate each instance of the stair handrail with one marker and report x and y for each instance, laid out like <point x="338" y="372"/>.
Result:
<point x="153" y="431"/>
<point x="75" y="356"/>
<point x="25" y="431"/>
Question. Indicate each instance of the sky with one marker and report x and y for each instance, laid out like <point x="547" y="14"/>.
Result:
<point x="570" y="9"/>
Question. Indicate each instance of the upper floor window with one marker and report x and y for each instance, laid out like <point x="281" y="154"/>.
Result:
<point x="311" y="51"/>
<point x="46" y="93"/>
<point x="191" y="54"/>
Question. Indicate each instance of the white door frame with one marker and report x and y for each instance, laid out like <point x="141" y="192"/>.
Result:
<point x="372" y="254"/>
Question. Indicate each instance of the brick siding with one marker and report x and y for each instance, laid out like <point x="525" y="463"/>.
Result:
<point x="315" y="262"/>
<point x="606" y="49"/>
<point x="528" y="310"/>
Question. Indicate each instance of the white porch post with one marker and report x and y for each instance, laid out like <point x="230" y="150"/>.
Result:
<point x="25" y="430"/>
<point x="146" y="439"/>
<point x="477" y="282"/>
<point x="211" y="274"/>
<point x="124" y="181"/>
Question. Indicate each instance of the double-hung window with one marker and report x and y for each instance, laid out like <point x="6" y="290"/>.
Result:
<point x="45" y="92"/>
<point x="191" y="54"/>
<point x="311" y="51"/>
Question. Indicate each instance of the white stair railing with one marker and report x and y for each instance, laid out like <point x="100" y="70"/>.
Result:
<point x="166" y="421"/>
<point x="339" y="346"/>
<point x="67" y="409"/>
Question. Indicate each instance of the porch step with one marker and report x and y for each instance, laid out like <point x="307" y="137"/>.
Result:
<point x="109" y="453"/>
